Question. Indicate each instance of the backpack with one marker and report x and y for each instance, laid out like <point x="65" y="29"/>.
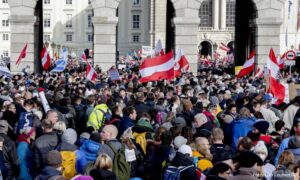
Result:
<point x="68" y="168"/>
<point x="173" y="173"/>
<point x="106" y="116"/>
<point x="140" y="138"/>
<point x="120" y="165"/>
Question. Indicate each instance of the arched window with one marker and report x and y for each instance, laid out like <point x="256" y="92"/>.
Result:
<point x="205" y="13"/>
<point x="230" y="13"/>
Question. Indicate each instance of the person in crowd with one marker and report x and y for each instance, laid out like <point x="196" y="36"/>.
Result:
<point x="202" y="153"/>
<point x="8" y="154"/>
<point x="201" y="122"/>
<point x="45" y="143"/>
<point x="140" y="105"/>
<point x="130" y="116"/>
<point x="24" y="151"/>
<point x="26" y="116"/>
<point x="103" y="168"/>
<point x="91" y="147"/>
<point x="220" y="171"/>
<point x="218" y="149"/>
<point x="53" y="168"/>
<point x="285" y="166"/>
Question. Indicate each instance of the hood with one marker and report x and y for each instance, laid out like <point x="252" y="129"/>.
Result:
<point x="102" y="106"/>
<point x="22" y="138"/>
<point x="91" y="146"/>
<point x="49" y="172"/>
<point x="182" y="160"/>
<point x="64" y="146"/>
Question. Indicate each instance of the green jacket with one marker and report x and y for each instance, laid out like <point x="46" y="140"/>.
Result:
<point x="96" y="118"/>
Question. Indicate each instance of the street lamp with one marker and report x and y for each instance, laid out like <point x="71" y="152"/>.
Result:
<point x="53" y="45"/>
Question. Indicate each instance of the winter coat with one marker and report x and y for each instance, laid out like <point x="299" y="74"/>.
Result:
<point x="221" y="152"/>
<point x="289" y="114"/>
<point x="245" y="174"/>
<point x="48" y="172"/>
<point x="90" y="148"/>
<point x="10" y="157"/>
<point x="25" y="158"/>
<point x="203" y="163"/>
<point x="141" y="107"/>
<point x="240" y="128"/>
<point x="184" y="160"/>
<point x="96" y="118"/>
<point x="125" y="123"/>
<point x="106" y="149"/>
<point x="42" y="146"/>
<point x="103" y="174"/>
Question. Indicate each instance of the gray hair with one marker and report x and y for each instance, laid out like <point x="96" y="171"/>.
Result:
<point x="201" y="116"/>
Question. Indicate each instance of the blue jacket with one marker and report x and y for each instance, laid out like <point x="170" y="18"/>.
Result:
<point x="125" y="123"/>
<point x="25" y="158"/>
<point x="240" y="128"/>
<point x="90" y="148"/>
<point x="284" y="144"/>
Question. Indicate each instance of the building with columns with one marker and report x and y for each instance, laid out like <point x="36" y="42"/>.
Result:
<point x="270" y="23"/>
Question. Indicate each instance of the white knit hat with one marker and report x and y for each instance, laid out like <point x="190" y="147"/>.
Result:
<point x="179" y="141"/>
<point x="185" y="149"/>
<point x="260" y="147"/>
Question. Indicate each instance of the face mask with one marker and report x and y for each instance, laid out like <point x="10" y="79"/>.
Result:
<point x="262" y="157"/>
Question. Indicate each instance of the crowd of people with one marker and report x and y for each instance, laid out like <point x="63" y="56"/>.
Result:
<point x="207" y="126"/>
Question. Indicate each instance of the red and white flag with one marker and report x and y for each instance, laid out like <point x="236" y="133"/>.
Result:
<point x="45" y="57"/>
<point x="22" y="55"/>
<point x="281" y="60"/>
<point x="248" y="67"/>
<point x="275" y="87"/>
<point x="159" y="50"/>
<point x="158" y="68"/>
<point x="90" y="73"/>
<point x="224" y="47"/>
<point x="181" y="63"/>
<point x="259" y="73"/>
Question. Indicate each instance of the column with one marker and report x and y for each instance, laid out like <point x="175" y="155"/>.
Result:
<point x="160" y="21"/>
<point x="268" y="36"/>
<point x="223" y="14"/>
<point x="105" y="41"/>
<point x="22" y="32"/>
<point x="215" y="14"/>
<point x="152" y="22"/>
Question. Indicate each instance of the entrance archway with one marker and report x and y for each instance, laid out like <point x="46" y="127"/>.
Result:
<point x="206" y="49"/>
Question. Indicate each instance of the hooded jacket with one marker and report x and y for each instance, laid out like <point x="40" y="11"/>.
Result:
<point x="184" y="160"/>
<point x="96" y="118"/>
<point x="90" y="148"/>
<point x="48" y="172"/>
<point x="240" y="128"/>
<point x="103" y="174"/>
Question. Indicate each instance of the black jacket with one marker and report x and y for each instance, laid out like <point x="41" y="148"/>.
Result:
<point x="42" y="146"/>
<point x="141" y="107"/>
<point x="10" y="157"/>
<point x="103" y="174"/>
<point x="184" y="160"/>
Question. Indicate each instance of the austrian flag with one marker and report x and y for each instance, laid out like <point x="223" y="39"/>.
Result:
<point x="90" y="73"/>
<point x="248" y="67"/>
<point x="45" y="57"/>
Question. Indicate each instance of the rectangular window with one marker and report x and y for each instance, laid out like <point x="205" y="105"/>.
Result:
<point x="5" y="53"/>
<point x="5" y="21"/>
<point x="46" y="1"/>
<point x="90" y="37"/>
<point x="205" y="13"/>
<point x="4" y="1"/>
<point x="136" y="38"/>
<point x="68" y="1"/>
<point x="135" y="2"/>
<point x="136" y="21"/>
<point x="69" y="37"/>
<point x="90" y="24"/>
<point x="47" y="37"/>
<point x="47" y="20"/>
<point x="5" y="37"/>
<point x="69" y="21"/>
<point x="230" y="13"/>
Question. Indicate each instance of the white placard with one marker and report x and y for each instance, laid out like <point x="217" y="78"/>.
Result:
<point x="44" y="101"/>
<point x="146" y="51"/>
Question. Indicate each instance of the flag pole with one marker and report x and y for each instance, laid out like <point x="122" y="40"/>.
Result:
<point x="174" y="56"/>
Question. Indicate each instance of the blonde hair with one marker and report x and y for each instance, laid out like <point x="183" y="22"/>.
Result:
<point x="217" y="134"/>
<point x="286" y="158"/>
<point x="202" y="149"/>
<point x="103" y="161"/>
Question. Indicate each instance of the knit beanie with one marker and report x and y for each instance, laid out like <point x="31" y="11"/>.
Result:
<point x="260" y="147"/>
<point x="69" y="136"/>
<point x="262" y="126"/>
<point x="179" y="141"/>
<point x="54" y="158"/>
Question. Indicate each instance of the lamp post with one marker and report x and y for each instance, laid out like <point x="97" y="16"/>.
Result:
<point x="53" y="45"/>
